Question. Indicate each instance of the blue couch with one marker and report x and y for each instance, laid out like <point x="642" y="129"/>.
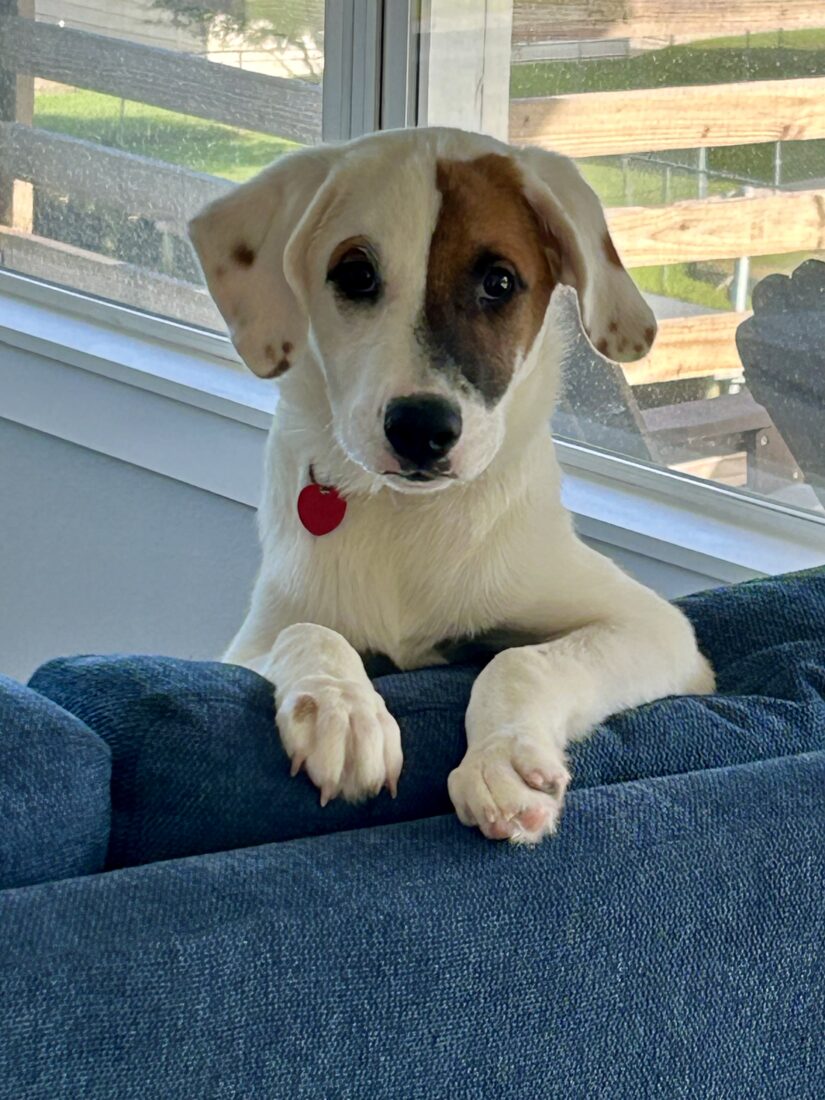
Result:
<point x="180" y="919"/>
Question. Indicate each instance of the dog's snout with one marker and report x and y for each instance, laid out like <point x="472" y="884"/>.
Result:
<point x="422" y="429"/>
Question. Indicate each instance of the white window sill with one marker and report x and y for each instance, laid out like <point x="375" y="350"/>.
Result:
<point x="179" y="404"/>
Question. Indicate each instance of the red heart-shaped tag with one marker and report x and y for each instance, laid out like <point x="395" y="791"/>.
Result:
<point x="320" y="508"/>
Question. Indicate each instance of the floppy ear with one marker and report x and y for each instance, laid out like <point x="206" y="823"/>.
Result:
<point x="617" y="320"/>
<point x="241" y="240"/>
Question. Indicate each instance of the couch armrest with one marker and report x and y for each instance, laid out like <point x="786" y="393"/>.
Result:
<point x="669" y="942"/>
<point x="54" y="791"/>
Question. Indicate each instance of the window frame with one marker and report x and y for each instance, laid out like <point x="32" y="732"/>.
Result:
<point x="129" y="357"/>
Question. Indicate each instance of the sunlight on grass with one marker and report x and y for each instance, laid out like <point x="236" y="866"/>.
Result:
<point x="708" y="62"/>
<point x="153" y="132"/>
<point x="676" y="281"/>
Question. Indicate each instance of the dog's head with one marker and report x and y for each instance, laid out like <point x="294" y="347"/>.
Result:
<point x="417" y="268"/>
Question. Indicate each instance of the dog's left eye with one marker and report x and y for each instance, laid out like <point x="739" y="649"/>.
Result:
<point x="355" y="275"/>
<point x="498" y="283"/>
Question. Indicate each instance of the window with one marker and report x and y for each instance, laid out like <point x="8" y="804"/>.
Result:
<point x="702" y="128"/>
<point x="119" y="118"/>
<point x="700" y="125"/>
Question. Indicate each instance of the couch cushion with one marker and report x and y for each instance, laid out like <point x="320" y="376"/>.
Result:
<point x="668" y="944"/>
<point x="54" y="791"/>
<point x="197" y="766"/>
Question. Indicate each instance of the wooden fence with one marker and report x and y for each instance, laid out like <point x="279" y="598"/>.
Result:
<point x="582" y="125"/>
<point x="161" y="78"/>
<point x="652" y="119"/>
<point x="134" y="186"/>
<point x="671" y="20"/>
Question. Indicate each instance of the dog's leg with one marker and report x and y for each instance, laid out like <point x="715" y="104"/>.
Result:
<point x="252" y="644"/>
<point x="331" y="719"/>
<point x="530" y="701"/>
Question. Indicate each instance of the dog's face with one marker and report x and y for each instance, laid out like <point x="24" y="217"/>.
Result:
<point x="417" y="268"/>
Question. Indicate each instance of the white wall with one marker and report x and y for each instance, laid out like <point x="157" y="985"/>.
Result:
<point x="97" y="555"/>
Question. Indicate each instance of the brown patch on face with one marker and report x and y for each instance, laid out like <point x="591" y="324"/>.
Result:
<point x="639" y="348"/>
<point x="286" y="347"/>
<point x="484" y="217"/>
<point x="243" y="255"/>
<point x="602" y="347"/>
<point x="650" y="332"/>
<point x="280" y="363"/>
<point x="613" y="326"/>
<point x="220" y="271"/>
<point x="610" y="251"/>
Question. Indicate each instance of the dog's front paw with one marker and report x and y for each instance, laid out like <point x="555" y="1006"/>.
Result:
<point x="511" y="788"/>
<point x="341" y="732"/>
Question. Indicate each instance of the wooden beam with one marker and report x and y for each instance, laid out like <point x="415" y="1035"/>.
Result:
<point x="104" y="277"/>
<point x="602" y="123"/>
<point x="759" y="224"/>
<point x="692" y="421"/>
<point x="16" y="105"/>
<point x="178" y="82"/>
<point x="701" y="346"/>
<point x="681" y="20"/>
<point x="83" y="170"/>
<point x="8" y="111"/>
<point x="465" y="75"/>
<point x="731" y="469"/>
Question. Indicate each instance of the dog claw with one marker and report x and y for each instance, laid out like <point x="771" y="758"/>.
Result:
<point x="297" y="764"/>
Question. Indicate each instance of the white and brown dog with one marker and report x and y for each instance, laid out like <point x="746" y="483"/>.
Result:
<point x="399" y="287"/>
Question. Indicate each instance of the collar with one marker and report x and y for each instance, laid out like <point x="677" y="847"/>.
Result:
<point x="321" y="508"/>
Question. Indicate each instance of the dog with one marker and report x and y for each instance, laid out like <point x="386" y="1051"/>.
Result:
<point x="402" y="289"/>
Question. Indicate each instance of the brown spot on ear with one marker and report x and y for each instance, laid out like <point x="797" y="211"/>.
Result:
<point x="639" y="349"/>
<point x="613" y="326"/>
<point x="279" y="365"/>
<point x="220" y="271"/>
<point x="305" y="707"/>
<point x="610" y="251"/>
<point x="650" y="332"/>
<point x="286" y="347"/>
<point x="242" y="254"/>
<point x="484" y="217"/>
<point x="602" y="347"/>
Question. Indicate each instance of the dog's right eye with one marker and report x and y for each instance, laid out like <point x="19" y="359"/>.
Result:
<point x="356" y="276"/>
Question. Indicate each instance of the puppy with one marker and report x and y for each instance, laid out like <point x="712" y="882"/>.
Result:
<point x="401" y="289"/>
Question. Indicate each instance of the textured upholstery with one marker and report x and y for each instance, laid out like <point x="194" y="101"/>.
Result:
<point x="197" y="766"/>
<point x="667" y="944"/>
<point x="54" y="791"/>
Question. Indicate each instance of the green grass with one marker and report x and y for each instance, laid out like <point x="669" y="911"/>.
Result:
<point x="809" y="39"/>
<point x="641" y="186"/>
<point x="677" y="281"/>
<point x="708" y="62"/>
<point x="800" y="160"/>
<point x="152" y="132"/>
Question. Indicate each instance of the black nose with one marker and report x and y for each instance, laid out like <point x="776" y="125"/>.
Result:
<point x="422" y="429"/>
